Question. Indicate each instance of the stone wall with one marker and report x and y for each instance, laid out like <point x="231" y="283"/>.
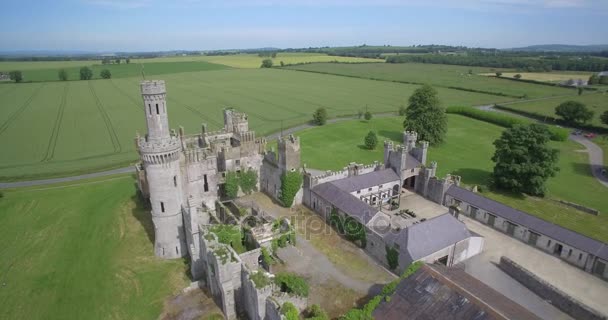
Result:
<point x="273" y="310"/>
<point x="546" y="291"/>
<point x="254" y="299"/>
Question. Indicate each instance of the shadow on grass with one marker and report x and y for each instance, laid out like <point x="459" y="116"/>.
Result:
<point x="473" y="176"/>
<point x="141" y="212"/>
<point x="395" y="136"/>
<point x="583" y="169"/>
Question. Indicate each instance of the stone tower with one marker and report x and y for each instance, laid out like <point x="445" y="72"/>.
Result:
<point x="289" y="153"/>
<point x="160" y="152"/>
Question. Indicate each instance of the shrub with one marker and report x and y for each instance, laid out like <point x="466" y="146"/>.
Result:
<point x="371" y="140"/>
<point x="274" y="245"/>
<point x="105" y="74"/>
<point x="290" y="311"/>
<point x="266" y="63"/>
<point x="248" y="180"/>
<point x="319" y="117"/>
<point x="15" y="75"/>
<point x="392" y="257"/>
<point x="231" y="187"/>
<point x="367" y="115"/>
<point x="290" y="185"/>
<point x="259" y="279"/>
<point x="355" y="231"/>
<point x="292" y="283"/>
<point x="315" y="312"/>
<point x="229" y="234"/>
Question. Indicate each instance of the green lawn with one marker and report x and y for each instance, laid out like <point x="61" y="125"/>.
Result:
<point x="81" y="251"/>
<point x="467" y="152"/>
<point x="58" y="128"/>
<point x="598" y="102"/>
<point x="438" y="75"/>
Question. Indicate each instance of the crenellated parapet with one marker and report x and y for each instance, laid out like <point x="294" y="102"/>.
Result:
<point x="152" y="87"/>
<point x="158" y="146"/>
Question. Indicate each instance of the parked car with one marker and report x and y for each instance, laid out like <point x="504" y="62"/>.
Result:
<point x="590" y="135"/>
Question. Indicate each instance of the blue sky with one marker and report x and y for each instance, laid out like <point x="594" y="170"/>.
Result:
<point x="153" y="25"/>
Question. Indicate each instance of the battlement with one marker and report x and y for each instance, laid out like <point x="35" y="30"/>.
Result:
<point x="410" y="135"/>
<point x="153" y="87"/>
<point x="197" y="155"/>
<point x="290" y="139"/>
<point x="158" y="146"/>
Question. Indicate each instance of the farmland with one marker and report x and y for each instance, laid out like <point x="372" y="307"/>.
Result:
<point x="58" y="128"/>
<point x="551" y="77"/>
<point x="438" y="75"/>
<point x="467" y="152"/>
<point x="598" y="102"/>
<point x="83" y="250"/>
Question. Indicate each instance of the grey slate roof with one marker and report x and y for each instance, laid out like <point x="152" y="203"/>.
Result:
<point x="345" y="202"/>
<point x="367" y="180"/>
<point x="603" y="74"/>
<point x="411" y="162"/>
<point x="531" y="222"/>
<point x="427" y="237"/>
<point x="437" y="292"/>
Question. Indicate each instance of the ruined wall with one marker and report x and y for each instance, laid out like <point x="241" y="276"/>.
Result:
<point x="254" y="299"/>
<point x="273" y="310"/>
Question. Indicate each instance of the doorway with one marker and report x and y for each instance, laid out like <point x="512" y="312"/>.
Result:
<point x="558" y="249"/>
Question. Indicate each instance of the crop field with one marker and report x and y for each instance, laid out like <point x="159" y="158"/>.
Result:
<point x="598" y="102"/>
<point x="440" y="76"/>
<point x="467" y="152"/>
<point x="544" y="76"/>
<point x="82" y="251"/>
<point x="58" y="128"/>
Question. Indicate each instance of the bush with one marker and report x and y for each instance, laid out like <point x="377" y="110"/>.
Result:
<point x="105" y="74"/>
<point x="319" y="117"/>
<point x="392" y="257"/>
<point x="230" y="235"/>
<point x="16" y="76"/>
<point x="63" y="75"/>
<point x="248" y="180"/>
<point x="266" y="258"/>
<point x="292" y="283"/>
<point x="517" y="76"/>
<point x="86" y="73"/>
<point x="315" y="312"/>
<point x="231" y="187"/>
<point x="266" y="63"/>
<point x="290" y="311"/>
<point x="367" y="115"/>
<point x="290" y="185"/>
<point x="371" y="140"/>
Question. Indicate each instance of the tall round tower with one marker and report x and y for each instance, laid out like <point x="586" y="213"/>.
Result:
<point x="160" y="154"/>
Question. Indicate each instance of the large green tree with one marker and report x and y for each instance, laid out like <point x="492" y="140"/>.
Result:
<point x="86" y="73"/>
<point x="266" y="63"/>
<point x="16" y="76"/>
<point x="371" y="140"/>
<point x="425" y="115"/>
<point x="523" y="159"/>
<point x="319" y="117"/>
<point x="574" y="112"/>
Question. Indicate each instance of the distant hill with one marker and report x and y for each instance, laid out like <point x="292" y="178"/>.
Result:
<point x="562" y="48"/>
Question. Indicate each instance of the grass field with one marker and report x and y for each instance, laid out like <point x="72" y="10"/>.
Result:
<point x="58" y="128"/>
<point x="438" y="75"/>
<point x="254" y="61"/>
<point x="552" y="77"/>
<point x="81" y="251"/>
<point x="467" y="152"/>
<point x="598" y="102"/>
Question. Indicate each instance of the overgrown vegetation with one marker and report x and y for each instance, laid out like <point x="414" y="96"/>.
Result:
<point x="292" y="284"/>
<point x="524" y="160"/>
<point x="231" y="187"/>
<point x="290" y="311"/>
<point x="259" y="279"/>
<point x="392" y="257"/>
<point x="248" y="180"/>
<point x="267" y="258"/>
<point x="365" y="313"/>
<point x="315" y="312"/>
<point x="230" y="235"/>
<point x="350" y="228"/>
<point x="290" y="185"/>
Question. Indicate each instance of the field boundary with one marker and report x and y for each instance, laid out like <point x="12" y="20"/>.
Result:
<point x="106" y="119"/>
<point x="500" y="94"/>
<point x="15" y="115"/>
<point x="50" y="149"/>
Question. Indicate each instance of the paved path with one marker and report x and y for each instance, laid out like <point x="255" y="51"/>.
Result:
<point x="273" y="136"/>
<point x="596" y="154"/>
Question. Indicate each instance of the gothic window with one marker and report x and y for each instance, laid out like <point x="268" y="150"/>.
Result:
<point x="157" y="111"/>
<point x="580" y="256"/>
<point x="150" y="108"/>
<point x="162" y="206"/>
<point x="205" y="184"/>
<point x="175" y="181"/>
<point x="176" y="250"/>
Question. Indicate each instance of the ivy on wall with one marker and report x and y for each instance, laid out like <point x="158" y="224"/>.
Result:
<point x="290" y="185"/>
<point x="231" y="187"/>
<point x="392" y="257"/>
<point x="349" y="227"/>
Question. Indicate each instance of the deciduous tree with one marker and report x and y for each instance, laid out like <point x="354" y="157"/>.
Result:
<point x="523" y="159"/>
<point x="425" y="116"/>
<point x="368" y="115"/>
<point x="266" y="63"/>
<point x="574" y="112"/>
<point x="16" y="76"/>
<point x="371" y="140"/>
<point x="86" y="73"/>
<point x="105" y="74"/>
<point x="319" y="117"/>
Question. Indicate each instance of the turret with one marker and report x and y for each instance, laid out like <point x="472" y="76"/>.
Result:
<point x="289" y="153"/>
<point x="160" y="153"/>
<point x="154" y="95"/>
<point x="409" y="140"/>
<point x="388" y="148"/>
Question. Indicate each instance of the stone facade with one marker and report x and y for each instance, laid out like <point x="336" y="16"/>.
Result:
<point x="275" y="165"/>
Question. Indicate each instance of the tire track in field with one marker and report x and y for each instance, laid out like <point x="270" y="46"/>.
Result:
<point x="50" y="149"/>
<point x="106" y="120"/>
<point x="20" y="110"/>
<point x="195" y="111"/>
<point x="137" y="104"/>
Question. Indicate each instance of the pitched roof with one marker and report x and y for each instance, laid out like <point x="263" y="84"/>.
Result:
<point x="531" y="222"/>
<point x="437" y="292"/>
<point x="345" y="202"/>
<point x="411" y="162"/>
<point x="427" y="237"/>
<point x="367" y="180"/>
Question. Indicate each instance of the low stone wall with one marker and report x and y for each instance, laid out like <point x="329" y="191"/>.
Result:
<point x="579" y="207"/>
<point x="546" y="291"/>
